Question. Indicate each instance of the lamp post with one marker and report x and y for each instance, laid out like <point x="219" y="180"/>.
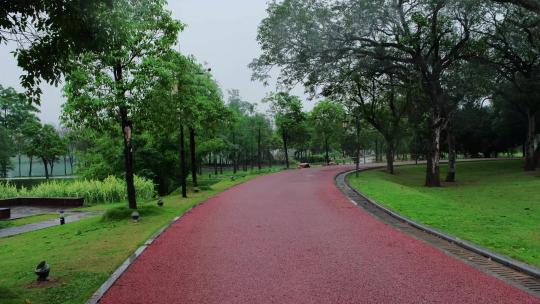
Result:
<point x="42" y="271"/>
<point x="135" y="216"/>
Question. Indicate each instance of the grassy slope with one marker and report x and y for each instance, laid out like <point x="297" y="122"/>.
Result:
<point x="493" y="204"/>
<point x="82" y="255"/>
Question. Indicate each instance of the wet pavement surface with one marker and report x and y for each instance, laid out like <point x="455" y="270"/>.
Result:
<point x="293" y="237"/>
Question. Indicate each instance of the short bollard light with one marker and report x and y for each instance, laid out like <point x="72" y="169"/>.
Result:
<point x="42" y="271"/>
<point x="62" y="218"/>
<point x="160" y="202"/>
<point x="196" y="190"/>
<point x="233" y="178"/>
<point x="135" y="216"/>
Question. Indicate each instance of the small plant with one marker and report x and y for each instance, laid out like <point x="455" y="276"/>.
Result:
<point x="8" y="190"/>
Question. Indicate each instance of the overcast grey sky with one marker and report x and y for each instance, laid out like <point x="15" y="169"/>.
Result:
<point x="220" y="33"/>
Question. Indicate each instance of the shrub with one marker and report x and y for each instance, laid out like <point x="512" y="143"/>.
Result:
<point x="7" y="190"/>
<point x="122" y="213"/>
<point x="110" y="190"/>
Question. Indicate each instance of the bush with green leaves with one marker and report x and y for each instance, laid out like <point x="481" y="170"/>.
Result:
<point x="111" y="189"/>
<point x="7" y="190"/>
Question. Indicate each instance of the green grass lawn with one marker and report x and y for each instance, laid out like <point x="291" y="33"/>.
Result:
<point x="493" y="204"/>
<point x="82" y="255"/>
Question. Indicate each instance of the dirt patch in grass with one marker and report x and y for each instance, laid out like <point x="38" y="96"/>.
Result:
<point x="51" y="282"/>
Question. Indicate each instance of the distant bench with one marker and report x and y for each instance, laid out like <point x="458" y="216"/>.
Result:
<point x="42" y="202"/>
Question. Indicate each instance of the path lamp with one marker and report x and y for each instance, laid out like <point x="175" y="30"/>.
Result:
<point x="62" y="218"/>
<point x="135" y="216"/>
<point x="42" y="271"/>
<point x="160" y="202"/>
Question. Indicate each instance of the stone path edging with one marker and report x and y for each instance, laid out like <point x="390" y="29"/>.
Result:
<point x="102" y="290"/>
<point x="507" y="261"/>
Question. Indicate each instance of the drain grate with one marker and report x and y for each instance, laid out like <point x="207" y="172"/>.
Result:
<point x="513" y="277"/>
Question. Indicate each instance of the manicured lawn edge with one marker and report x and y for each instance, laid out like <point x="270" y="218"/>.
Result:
<point x="102" y="290"/>
<point x="505" y="260"/>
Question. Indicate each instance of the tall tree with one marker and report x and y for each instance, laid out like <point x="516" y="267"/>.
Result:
<point x="531" y="5"/>
<point x="6" y="152"/>
<point x="30" y="131"/>
<point x="327" y="118"/>
<point x="514" y="49"/>
<point x="45" y="29"/>
<point x="49" y="147"/>
<point x="184" y="95"/>
<point x="383" y="97"/>
<point x="106" y="85"/>
<point x="309" y="40"/>
<point x="288" y="115"/>
<point x="16" y="111"/>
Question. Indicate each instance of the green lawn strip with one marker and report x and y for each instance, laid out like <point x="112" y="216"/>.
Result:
<point x="83" y="254"/>
<point x="493" y="204"/>
<point x="28" y="220"/>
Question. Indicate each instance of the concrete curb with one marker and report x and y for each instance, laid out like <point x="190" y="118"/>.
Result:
<point x="504" y="260"/>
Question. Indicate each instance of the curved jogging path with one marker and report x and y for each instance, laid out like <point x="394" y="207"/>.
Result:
<point x="293" y="237"/>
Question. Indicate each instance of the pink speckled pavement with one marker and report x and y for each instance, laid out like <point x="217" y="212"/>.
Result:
<point x="293" y="237"/>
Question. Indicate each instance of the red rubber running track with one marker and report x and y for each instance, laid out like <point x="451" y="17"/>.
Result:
<point x="293" y="237"/>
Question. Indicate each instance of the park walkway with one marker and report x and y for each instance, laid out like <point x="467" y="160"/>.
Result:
<point x="70" y="218"/>
<point x="293" y="237"/>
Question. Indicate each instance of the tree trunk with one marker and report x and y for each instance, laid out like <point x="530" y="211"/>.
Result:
<point x="326" y="156"/>
<point x="235" y="164"/>
<point x="30" y="168"/>
<point x="357" y="120"/>
<point x="269" y="159"/>
<point x="377" y="151"/>
<point x="220" y="163"/>
<point x="530" y="164"/>
<point x="215" y="164"/>
<point x="128" y="158"/>
<point x="46" y="166"/>
<point x="259" y="165"/>
<point x="71" y="164"/>
<point x="183" y="170"/>
<point x="285" y="149"/>
<point x="433" y="178"/>
<point x="245" y="161"/>
<point x="20" y="172"/>
<point x="364" y="156"/>
<point x="51" y="163"/>
<point x="537" y="156"/>
<point x="193" y="156"/>
<point x="390" y="155"/>
<point x="452" y="155"/>
<point x="127" y="132"/>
